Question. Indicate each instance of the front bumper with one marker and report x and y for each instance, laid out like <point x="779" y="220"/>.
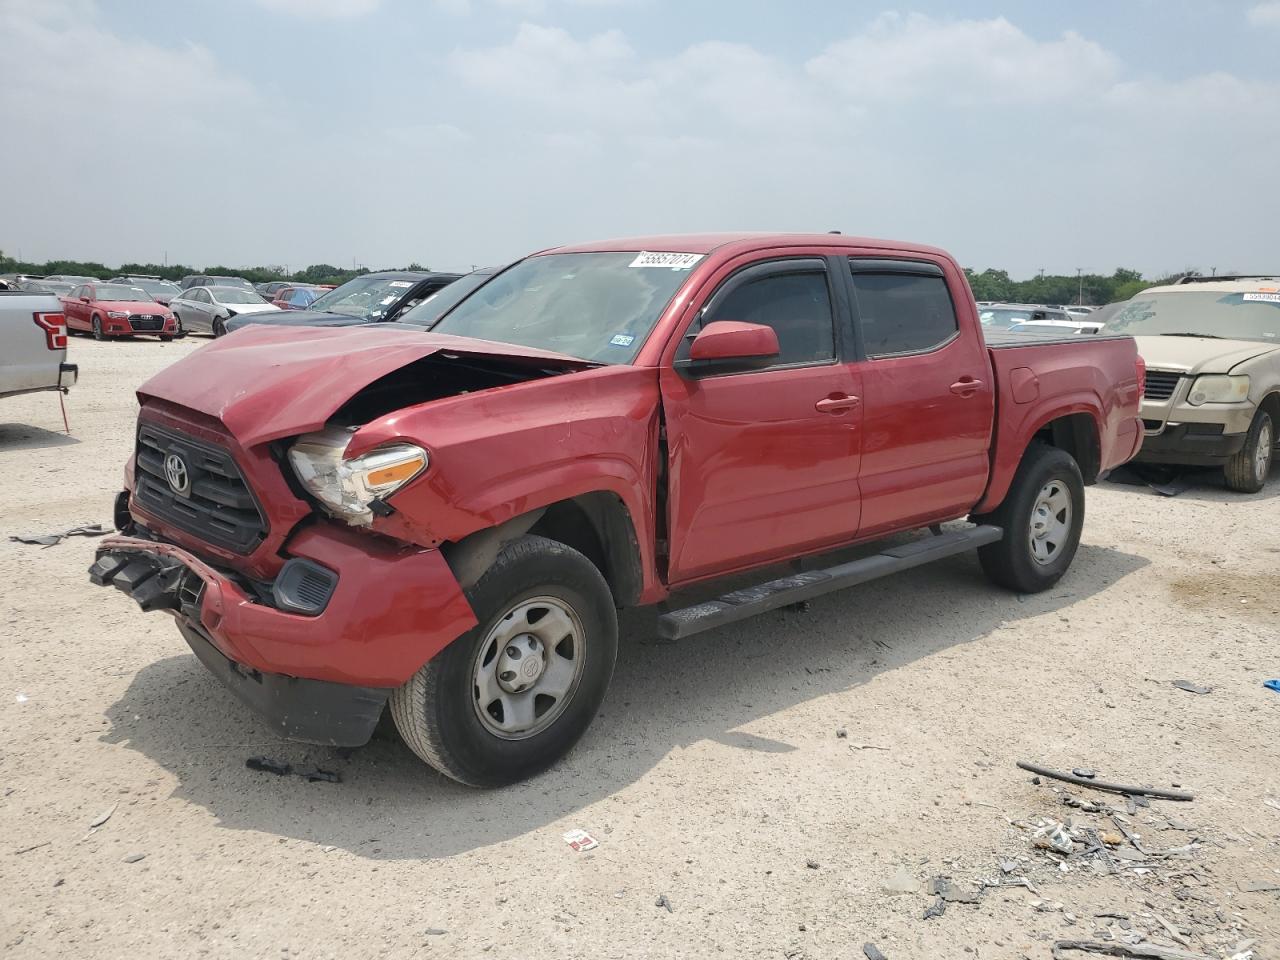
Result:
<point x="320" y="677"/>
<point x="1192" y="444"/>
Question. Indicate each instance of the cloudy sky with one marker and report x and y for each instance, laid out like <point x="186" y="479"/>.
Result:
<point x="1021" y="135"/>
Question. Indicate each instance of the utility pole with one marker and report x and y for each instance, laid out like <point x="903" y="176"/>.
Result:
<point x="1080" y="296"/>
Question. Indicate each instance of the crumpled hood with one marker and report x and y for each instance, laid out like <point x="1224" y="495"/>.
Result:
<point x="1194" y="355"/>
<point x="242" y="308"/>
<point x="265" y="383"/>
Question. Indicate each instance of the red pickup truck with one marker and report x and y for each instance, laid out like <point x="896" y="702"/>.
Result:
<point x="446" y="522"/>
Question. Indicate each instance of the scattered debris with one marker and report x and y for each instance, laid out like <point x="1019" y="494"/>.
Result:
<point x="811" y="864"/>
<point x="1104" y="785"/>
<point x="580" y="840"/>
<point x="102" y="818"/>
<point x="663" y="902"/>
<point x="267" y="765"/>
<point x="435" y="931"/>
<point x="1272" y="685"/>
<point x="34" y="846"/>
<point x="1053" y="835"/>
<point x="51" y="539"/>
<point x="1190" y="687"/>
<point x="135" y="857"/>
<point x="943" y="888"/>
<point x="1142" y="951"/>
<point x="1258" y="886"/>
<point x="282" y="768"/>
<point x="901" y="882"/>
<point x="21" y="698"/>
<point x="866" y="746"/>
<point x="1085" y="772"/>
<point x="937" y="909"/>
<point x="842" y="734"/>
<point x="872" y="952"/>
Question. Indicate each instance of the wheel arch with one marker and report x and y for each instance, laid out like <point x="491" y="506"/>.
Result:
<point x="597" y="524"/>
<point x="1077" y="434"/>
<point x="1271" y="404"/>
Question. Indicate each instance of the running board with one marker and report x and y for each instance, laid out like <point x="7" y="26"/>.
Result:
<point x="741" y="604"/>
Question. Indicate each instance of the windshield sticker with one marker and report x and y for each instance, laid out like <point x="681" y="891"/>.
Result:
<point x="671" y="261"/>
<point x="400" y="283"/>
<point x="387" y="300"/>
<point x="622" y="340"/>
<point x="1263" y="297"/>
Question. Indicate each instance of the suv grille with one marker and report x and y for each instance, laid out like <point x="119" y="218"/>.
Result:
<point x="1161" y="385"/>
<point x="204" y="493"/>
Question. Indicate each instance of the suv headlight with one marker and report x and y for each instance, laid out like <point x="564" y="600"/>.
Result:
<point x="347" y="487"/>
<point x="1218" y="389"/>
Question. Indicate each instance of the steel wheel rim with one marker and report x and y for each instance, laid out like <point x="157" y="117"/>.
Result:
<point x="1050" y="525"/>
<point x="528" y="668"/>
<point x="1262" y="456"/>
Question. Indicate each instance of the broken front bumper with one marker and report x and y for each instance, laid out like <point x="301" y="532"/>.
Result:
<point x="320" y="676"/>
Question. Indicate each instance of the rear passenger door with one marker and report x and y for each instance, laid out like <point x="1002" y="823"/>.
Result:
<point x="928" y="400"/>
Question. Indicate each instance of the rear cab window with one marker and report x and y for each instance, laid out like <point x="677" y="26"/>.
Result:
<point x="902" y="306"/>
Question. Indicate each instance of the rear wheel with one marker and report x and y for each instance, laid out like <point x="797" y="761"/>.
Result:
<point x="97" y="328"/>
<point x="1248" y="470"/>
<point x="1042" y="517"/>
<point x="513" y="695"/>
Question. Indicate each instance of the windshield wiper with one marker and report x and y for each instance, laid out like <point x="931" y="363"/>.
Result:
<point x="1207" y="336"/>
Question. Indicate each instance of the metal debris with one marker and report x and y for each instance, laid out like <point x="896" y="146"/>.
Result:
<point x="663" y="902"/>
<point x="102" y="818"/>
<point x="50" y="539"/>
<point x="872" y="952"/>
<point x="1104" y="785"/>
<point x="1190" y="687"/>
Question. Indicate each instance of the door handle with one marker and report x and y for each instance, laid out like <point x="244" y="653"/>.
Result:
<point x="837" y="404"/>
<point x="966" y="387"/>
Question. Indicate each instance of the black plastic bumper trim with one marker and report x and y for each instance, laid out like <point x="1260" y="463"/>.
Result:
<point x="1181" y="444"/>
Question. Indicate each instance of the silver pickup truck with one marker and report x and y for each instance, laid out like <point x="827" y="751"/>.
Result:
<point x="33" y="344"/>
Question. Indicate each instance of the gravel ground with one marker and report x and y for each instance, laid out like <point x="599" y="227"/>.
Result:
<point x="715" y="776"/>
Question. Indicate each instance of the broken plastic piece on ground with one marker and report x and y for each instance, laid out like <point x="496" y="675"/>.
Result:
<point x="315" y="774"/>
<point x="580" y="840"/>
<point x="663" y="902"/>
<point x="936" y="909"/>
<point x="1272" y="685"/>
<point x="872" y="952"/>
<point x="1190" y="687"/>
<point x="267" y="765"/>
<point x="1138" y="951"/>
<point x="49" y="539"/>
<point x="1054" y="836"/>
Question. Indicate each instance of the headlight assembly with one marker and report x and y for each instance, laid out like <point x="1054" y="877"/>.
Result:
<point x="1218" y="389"/>
<point x="347" y="488"/>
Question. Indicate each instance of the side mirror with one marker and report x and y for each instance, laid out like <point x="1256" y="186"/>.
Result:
<point x="727" y="346"/>
<point x="84" y="299"/>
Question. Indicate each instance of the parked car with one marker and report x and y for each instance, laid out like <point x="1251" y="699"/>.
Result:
<point x="57" y="287"/>
<point x="429" y="311"/>
<point x="209" y="280"/>
<point x="269" y="289"/>
<point x="297" y="297"/>
<point x="1056" y="327"/>
<point x="33" y="344"/>
<point x="368" y="298"/>
<point x="117" y="310"/>
<point x="1002" y="316"/>
<point x="161" y="291"/>
<point x="1079" y="310"/>
<point x="209" y="309"/>
<point x="71" y="278"/>
<point x="446" y="521"/>
<point x="1212" y="398"/>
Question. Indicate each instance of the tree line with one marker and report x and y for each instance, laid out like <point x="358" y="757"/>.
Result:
<point x="1089" y="288"/>
<point x="316" y="273"/>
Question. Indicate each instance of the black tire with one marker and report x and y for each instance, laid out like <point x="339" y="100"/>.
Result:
<point x="436" y="711"/>
<point x="1012" y="561"/>
<point x="97" y="328"/>
<point x="1248" y="470"/>
<point x="179" y="331"/>
<point x="219" y="328"/>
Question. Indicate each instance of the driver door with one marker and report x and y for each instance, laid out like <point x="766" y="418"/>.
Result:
<point x="763" y="464"/>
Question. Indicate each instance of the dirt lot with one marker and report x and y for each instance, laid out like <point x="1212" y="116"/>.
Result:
<point x="715" y="776"/>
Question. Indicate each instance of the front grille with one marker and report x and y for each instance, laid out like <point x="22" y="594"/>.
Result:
<point x="1161" y="385"/>
<point x="144" y="321"/>
<point x="211" y="500"/>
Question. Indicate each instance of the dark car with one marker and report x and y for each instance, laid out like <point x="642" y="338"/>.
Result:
<point x="211" y="280"/>
<point x="369" y="298"/>
<point x="269" y="289"/>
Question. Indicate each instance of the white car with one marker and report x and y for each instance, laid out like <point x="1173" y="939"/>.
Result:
<point x="33" y="344"/>
<point x="207" y="309"/>
<point x="1066" y="327"/>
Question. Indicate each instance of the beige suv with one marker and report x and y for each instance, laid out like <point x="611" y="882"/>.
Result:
<point x="1212" y="347"/>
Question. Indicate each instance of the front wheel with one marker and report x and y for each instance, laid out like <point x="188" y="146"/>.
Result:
<point x="1248" y="470"/>
<point x="219" y="328"/>
<point x="515" y="693"/>
<point x="97" y="328"/>
<point x="1042" y="517"/>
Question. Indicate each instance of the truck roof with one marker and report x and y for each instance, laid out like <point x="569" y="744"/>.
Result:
<point x="1225" y="285"/>
<point x="705" y="243"/>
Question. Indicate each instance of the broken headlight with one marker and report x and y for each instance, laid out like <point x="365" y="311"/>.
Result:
<point x="348" y="488"/>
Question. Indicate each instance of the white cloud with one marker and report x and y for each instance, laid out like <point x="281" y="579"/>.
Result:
<point x="1265" y="14"/>
<point x="912" y="57"/>
<point x="322" y="9"/>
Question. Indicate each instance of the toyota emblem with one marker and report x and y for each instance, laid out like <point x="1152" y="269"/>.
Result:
<point x="176" y="472"/>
